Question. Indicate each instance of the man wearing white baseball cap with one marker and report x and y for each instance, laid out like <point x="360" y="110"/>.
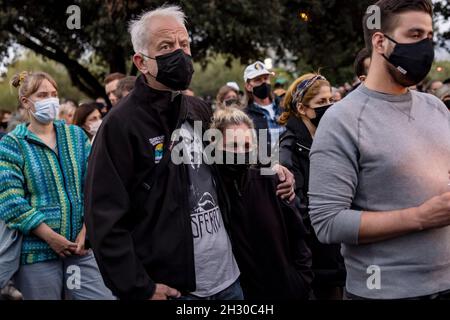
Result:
<point x="262" y="107"/>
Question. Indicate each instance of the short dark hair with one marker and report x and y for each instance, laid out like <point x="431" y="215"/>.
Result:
<point x="83" y="111"/>
<point x="278" y="85"/>
<point x="125" y="84"/>
<point x="359" y="67"/>
<point x="113" y="76"/>
<point x="388" y="10"/>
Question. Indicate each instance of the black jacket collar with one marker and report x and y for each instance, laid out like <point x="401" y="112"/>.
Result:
<point x="146" y="95"/>
<point x="167" y="107"/>
<point x="301" y="132"/>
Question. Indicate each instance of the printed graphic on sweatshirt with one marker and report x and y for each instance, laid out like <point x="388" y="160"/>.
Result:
<point x="192" y="147"/>
<point x="205" y="217"/>
<point x="213" y="256"/>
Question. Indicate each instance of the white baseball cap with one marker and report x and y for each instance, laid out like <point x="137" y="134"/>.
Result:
<point x="255" y="70"/>
<point x="233" y="85"/>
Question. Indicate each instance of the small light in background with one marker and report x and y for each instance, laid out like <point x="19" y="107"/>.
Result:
<point x="269" y="63"/>
<point x="439" y="69"/>
<point x="304" y="16"/>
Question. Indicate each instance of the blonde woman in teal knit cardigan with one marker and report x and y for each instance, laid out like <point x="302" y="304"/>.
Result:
<point x="42" y="169"/>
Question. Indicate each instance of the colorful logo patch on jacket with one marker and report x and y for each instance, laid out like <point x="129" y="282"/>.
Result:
<point x="158" y="145"/>
<point x="159" y="152"/>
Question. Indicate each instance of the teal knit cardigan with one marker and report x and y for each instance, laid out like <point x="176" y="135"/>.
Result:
<point x="40" y="185"/>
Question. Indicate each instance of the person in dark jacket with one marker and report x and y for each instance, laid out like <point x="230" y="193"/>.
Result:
<point x="157" y="224"/>
<point x="305" y="102"/>
<point x="262" y="106"/>
<point x="268" y="235"/>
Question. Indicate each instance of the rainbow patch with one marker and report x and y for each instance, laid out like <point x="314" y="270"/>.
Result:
<point x="159" y="152"/>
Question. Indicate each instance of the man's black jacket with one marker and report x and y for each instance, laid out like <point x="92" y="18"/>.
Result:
<point x="142" y="235"/>
<point x="260" y="120"/>
<point x="295" y="145"/>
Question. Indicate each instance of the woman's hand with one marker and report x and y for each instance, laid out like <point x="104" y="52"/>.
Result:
<point x="163" y="292"/>
<point x="80" y="240"/>
<point x="286" y="188"/>
<point x="63" y="247"/>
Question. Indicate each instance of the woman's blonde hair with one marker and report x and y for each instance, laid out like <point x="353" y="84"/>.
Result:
<point x="290" y="110"/>
<point x="29" y="82"/>
<point x="65" y="108"/>
<point x="224" y="118"/>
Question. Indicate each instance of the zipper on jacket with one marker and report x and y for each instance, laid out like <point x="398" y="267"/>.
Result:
<point x="64" y="180"/>
<point x="301" y="147"/>
<point x="186" y="220"/>
<point x="236" y="186"/>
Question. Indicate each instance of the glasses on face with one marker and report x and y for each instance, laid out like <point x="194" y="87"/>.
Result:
<point x="231" y="102"/>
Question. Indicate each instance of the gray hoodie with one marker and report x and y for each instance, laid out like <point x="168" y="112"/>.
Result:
<point x="379" y="152"/>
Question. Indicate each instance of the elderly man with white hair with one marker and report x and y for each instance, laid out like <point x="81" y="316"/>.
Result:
<point x="159" y="228"/>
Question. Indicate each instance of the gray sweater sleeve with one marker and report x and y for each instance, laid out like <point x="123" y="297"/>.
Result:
<point x="334" y="177"/>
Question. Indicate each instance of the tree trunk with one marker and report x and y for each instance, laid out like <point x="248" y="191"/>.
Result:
<point x="117" y="60"/>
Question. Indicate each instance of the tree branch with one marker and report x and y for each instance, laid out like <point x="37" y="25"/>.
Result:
<point x="77" y="72"/>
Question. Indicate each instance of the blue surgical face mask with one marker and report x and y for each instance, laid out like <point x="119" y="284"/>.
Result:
<point x="45" y="110"/>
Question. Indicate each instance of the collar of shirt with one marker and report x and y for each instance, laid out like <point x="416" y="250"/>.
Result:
<point x="269" y="108"/>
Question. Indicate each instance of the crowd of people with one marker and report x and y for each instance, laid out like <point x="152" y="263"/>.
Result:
<point x="359" y="179"/>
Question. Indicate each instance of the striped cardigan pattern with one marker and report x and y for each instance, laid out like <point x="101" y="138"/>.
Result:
<point x="40" y="185"/>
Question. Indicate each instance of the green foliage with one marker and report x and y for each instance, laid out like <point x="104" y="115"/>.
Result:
<point x="32" y="62"/>
<point x="440" y="71"/>
<point x="442" y="10"/>
<point x="331" y="37"/>
<point x="207" y="81"/>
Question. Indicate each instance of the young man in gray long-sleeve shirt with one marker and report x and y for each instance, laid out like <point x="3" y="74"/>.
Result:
<point x="380" y="166"/>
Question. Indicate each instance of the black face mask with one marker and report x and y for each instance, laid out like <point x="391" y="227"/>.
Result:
<point x="319" y="114"/>
<point x="240" y="163"/>
<point x="447" y="103"/>
<point x="412" y="60"/>
<point x="175" y="69"/>
<point x="262" y="91"/>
